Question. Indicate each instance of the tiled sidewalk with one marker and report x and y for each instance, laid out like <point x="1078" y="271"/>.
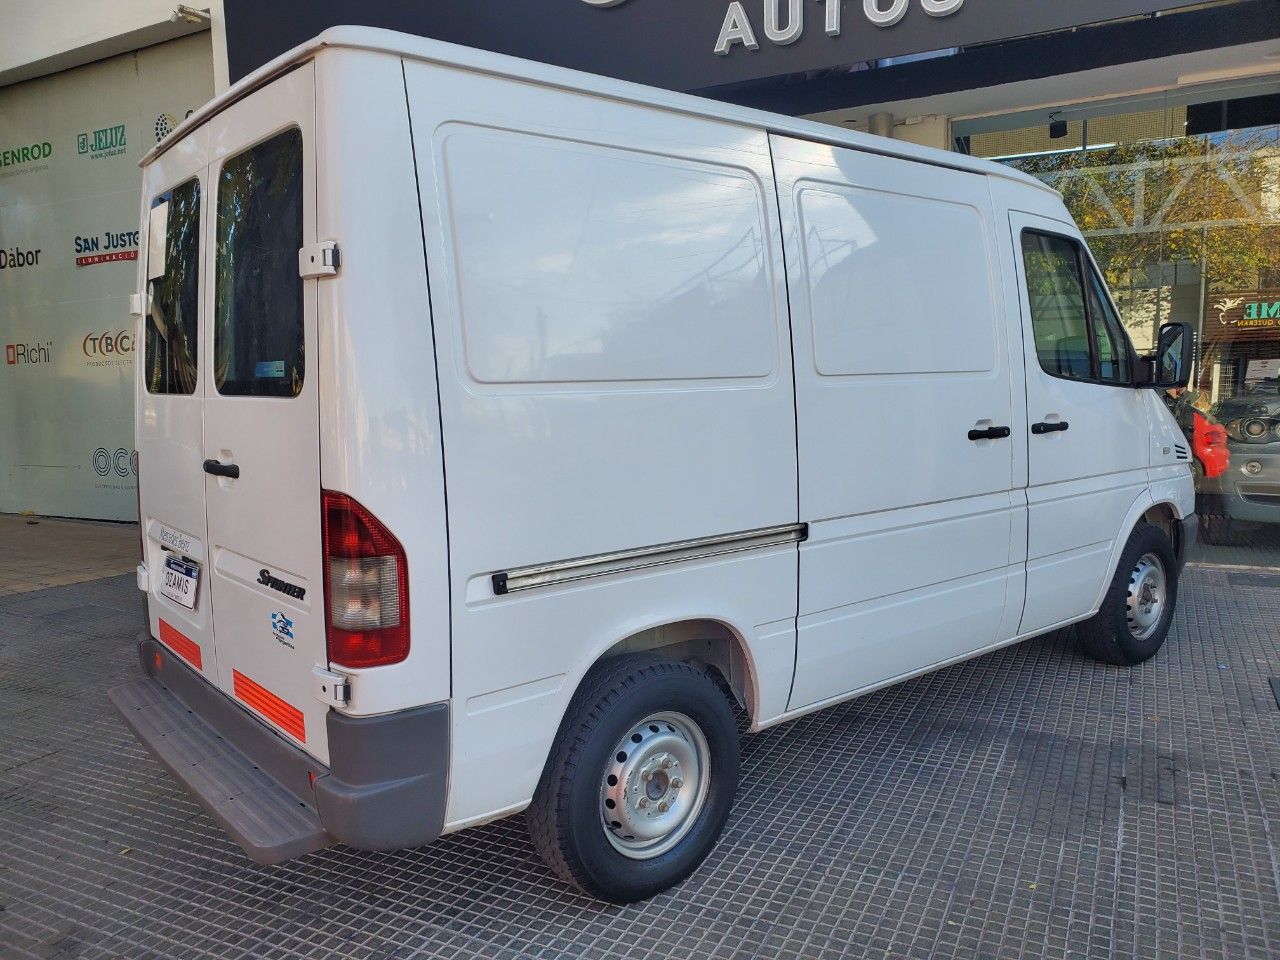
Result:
<point x="36" y="552"/>
<point x="1027" y="804"/>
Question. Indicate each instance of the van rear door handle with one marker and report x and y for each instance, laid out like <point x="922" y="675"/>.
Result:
<point x="219" y="469"/>
<point x="990" y="433"/>
<point x="1045" y="427"/>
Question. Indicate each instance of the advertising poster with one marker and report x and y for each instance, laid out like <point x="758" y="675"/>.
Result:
<point x="69" y="206"/>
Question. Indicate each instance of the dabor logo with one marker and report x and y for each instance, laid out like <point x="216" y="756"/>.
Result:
<point x="17" y="257"/>
<point x="107" y="247"/>
<point x="16" y="354"/>
<point x="123" y="462"/>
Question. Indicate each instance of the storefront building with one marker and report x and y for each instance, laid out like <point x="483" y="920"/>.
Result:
<point x="1159" y="120"/>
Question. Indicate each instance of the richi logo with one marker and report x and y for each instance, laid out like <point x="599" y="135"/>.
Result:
<point x="28" y="354"/>
<point x="106" y="248"/>
<point x="783" y="20"/>
<point x="108" y="349"/>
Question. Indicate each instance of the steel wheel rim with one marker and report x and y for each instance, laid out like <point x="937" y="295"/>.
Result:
<point x="654" y="785"/>
<point x="1147" y="596"/>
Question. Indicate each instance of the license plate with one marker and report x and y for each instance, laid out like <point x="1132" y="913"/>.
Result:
<point x="179" y="581"/>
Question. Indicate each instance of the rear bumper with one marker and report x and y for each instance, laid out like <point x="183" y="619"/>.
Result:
<point x="385" y="788"/>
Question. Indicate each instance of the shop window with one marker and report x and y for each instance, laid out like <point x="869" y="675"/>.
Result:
<point x="258" y="318"/>
<point x="173" y="297"/>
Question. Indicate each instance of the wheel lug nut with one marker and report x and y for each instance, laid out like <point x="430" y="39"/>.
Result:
<point x="646" y="775"/>
<point x="663" y="806"/>
<point x="676" y="783"/>
<point x="642" y="802"/>
<point x="666" y="763"/>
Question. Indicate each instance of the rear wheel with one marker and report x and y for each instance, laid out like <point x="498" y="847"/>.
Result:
<point x="1135" y="615"/>
<point x="640" y="779"/>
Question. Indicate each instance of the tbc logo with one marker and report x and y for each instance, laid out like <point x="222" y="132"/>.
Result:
<point x="122" y="462"/>
<point x="28" y="353"/>
<point x="107" y="343"/>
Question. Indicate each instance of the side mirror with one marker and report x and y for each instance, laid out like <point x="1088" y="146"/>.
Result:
<point x="1169" y="368"/>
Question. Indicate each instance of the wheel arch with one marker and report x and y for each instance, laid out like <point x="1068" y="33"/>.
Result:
<point x="1163" y="512"/>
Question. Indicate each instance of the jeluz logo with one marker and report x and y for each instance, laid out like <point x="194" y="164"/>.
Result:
<point x="108" y="349"/>
<point x="106" y="142"/>
<point x="28" y="354"/>
<point x="282" y="628"/>
<point x="106" y="248"/>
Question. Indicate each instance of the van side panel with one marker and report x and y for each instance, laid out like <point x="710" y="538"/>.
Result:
<point x="615" y="373"/>
<point x="379" y="415"/>
<point x="901" y="351"/>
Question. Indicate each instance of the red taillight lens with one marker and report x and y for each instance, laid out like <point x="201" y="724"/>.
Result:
<point x="366" y="581"/>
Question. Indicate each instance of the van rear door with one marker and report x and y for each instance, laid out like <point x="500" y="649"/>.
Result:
<point x="170" y="403"/>
<point x="261" y="417"/>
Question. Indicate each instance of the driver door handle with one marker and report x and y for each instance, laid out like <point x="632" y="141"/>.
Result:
<point x="1045" y="427"/>
<point x="219" y="469"/>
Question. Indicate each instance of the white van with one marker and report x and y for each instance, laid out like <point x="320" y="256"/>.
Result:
<point x="509" y="436"/>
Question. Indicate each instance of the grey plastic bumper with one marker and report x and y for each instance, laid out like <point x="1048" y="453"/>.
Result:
<point x="1190" y="525"/>
<point x="385" y="788"/>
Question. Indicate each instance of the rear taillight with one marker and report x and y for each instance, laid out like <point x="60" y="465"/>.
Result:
<point x="366" y="580"/>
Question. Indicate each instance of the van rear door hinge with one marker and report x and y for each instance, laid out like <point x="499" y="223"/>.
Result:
<point x="319" y="259"/>
<point x="330" y="688"/>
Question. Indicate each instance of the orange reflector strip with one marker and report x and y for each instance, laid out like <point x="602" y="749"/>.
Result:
<point x="181" y="644"/>
<point x="288" y="718"/>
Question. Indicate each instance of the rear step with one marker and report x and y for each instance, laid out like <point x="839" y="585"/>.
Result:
<point x="271" y="823"/>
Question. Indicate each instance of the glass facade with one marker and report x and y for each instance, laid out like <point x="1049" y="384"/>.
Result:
<point x="1179" y="199"/>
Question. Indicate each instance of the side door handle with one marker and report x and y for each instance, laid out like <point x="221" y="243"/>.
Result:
<point x="1045" y="427"/>
<point x="989" y="433"/>
<point x="219" y="469"/>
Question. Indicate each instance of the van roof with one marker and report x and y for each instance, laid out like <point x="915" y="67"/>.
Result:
<point x="530" y="71"/>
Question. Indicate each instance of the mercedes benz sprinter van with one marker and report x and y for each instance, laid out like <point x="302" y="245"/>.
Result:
<point x="508" y="434"/>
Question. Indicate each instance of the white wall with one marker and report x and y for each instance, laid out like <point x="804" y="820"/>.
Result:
<point x="66" y="398"/>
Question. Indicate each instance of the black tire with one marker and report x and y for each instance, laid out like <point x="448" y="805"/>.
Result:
<point x="1107" y="636"/>
<point x="566" y="818"/>
<point x="1218" y="531"/>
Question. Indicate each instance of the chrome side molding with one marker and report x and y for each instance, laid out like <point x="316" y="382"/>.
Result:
<point x="583" y="568"/>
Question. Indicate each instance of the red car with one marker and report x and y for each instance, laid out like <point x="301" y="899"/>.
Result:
<point x="1209" y="444"/>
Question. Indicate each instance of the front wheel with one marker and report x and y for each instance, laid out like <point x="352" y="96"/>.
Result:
<point x="1133" y="621"/>
<point x="640" y="779"/>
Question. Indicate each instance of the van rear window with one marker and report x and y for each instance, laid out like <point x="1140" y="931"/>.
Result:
<point x="258" y="333"/>
<point x="173" y="297"/>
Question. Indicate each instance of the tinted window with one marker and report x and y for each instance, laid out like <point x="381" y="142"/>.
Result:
<point x="173" y="269"/>
<point x="257" y="333"/>
<point x="1055" y="291"/>
<point x="1109" y="336"/>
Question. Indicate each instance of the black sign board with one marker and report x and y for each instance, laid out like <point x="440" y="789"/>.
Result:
<point x="674" y="43"/>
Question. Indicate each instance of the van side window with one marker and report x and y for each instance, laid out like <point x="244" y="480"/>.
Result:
<point x="173" y="296"/>
<point x="257" y="334"/>
<point x="1110" y="340"/>
<point x="1055" y="291"/>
